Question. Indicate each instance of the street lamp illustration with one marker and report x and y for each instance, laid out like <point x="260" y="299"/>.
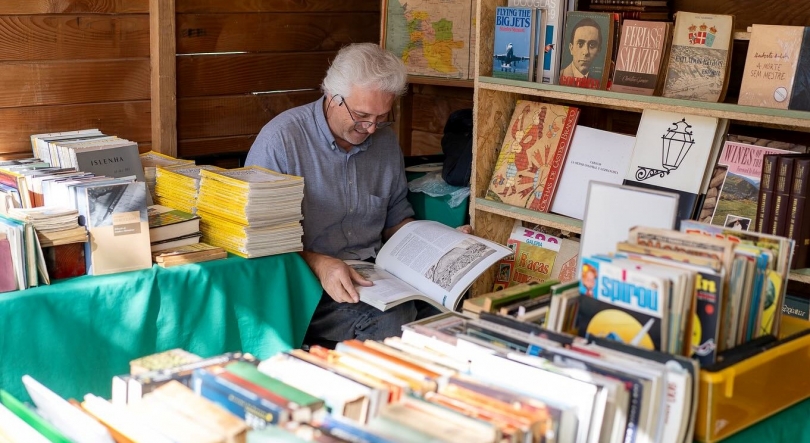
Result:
<point x="675" y="144"/>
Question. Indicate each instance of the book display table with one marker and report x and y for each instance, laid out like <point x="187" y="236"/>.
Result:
<point x="76" y="334"/>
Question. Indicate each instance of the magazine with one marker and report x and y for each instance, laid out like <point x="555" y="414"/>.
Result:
<point x="438" y="263"/>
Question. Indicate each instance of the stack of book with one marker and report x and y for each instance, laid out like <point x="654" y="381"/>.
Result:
<point x="178" y="186"/>
<point x="251" y="211"/>
<point x="181" y="255"/>
<point x="170" y="228"/>
<point x="152" y="160"/>
<point x="61" y="237"/>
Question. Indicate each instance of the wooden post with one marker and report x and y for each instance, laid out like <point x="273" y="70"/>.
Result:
<point x="164" y="65"/>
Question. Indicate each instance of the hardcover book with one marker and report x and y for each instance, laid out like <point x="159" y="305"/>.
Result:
<point x="699" y="57"/>
<point x="799" y="218"/>
<point x="671" y="154"/>
<point x="532" y="260"/>
<point x="513" y="54"/>
<point x="641" y="54"/>
<point x="800" y="95"/>
<point x="553" y="14"/>
<point x="586" y="57"/>
<point x="738" y="198"/>
<point x="532" y="155"/>
<point x="115" y="217"/>
<point x="608" y="164"/>
<point x="770" y="66"/>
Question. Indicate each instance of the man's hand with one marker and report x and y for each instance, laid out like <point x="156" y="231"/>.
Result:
<point x="467" y="229"/>
<point x="337" y="278"/>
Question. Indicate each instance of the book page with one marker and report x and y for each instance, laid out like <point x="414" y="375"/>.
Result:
<point x="388" y="291"/>
<point x="439" y="261"/>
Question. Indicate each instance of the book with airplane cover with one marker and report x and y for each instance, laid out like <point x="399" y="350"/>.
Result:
<point x="700" y="52"/>
<point x="532" y="155"/>
<point x="514" y="41"/>
<point x="426" y="260"/>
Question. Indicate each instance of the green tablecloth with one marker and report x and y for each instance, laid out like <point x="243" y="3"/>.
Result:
<point x="789" y="426"/>
<point x="76" y="334"/>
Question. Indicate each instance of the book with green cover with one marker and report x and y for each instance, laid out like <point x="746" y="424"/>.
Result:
<point x="495" y="300"/>
<point x="33" y="419"/>
<point x="250" y="373"/>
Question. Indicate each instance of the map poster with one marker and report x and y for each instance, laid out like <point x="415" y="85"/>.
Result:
<point x="432" y="37"/>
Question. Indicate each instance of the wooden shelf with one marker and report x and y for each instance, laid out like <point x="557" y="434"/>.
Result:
<point x="802" y="275"/>
<point x="539" y="218"/>
<point x="440" y="81"/>
<point x="794" y="120"/>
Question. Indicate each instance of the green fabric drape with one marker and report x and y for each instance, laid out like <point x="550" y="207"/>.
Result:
<point x="76" y="334"/>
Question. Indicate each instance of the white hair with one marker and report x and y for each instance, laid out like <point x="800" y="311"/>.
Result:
<point x="366" y="65"/>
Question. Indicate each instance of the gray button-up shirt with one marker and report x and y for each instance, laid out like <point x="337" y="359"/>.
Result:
<point x="349" y="197"/>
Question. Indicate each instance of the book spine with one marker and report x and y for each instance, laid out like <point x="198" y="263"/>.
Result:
<point x="784" y="180"/>
<point x="257" y="412"/>
<point x="559" y="159"/>
<point x="799" y="221"/>
<point x="765" y="200"/>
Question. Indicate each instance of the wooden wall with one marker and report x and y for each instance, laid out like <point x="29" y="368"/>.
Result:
<point x="73" y="64"/>
<point x="241" y="62"/>
<point x="423" y="113"/>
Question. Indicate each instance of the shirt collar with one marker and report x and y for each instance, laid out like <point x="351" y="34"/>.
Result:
<point x="320" y="120"/>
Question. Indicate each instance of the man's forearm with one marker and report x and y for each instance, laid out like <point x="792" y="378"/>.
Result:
<point x="393" y="229"/>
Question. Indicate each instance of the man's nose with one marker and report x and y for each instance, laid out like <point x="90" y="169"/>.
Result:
<point x="371" y="129"/>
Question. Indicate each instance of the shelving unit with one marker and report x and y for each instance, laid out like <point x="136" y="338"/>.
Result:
<point x="494" y="101"/>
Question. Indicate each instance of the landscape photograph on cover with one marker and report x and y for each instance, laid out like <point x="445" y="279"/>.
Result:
<point x="737" y="199"/>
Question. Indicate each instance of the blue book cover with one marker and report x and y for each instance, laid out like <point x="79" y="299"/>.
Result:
<point x="512" y="55"/>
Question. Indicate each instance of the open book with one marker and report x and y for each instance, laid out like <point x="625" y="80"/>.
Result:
<point x="437" y="262"/>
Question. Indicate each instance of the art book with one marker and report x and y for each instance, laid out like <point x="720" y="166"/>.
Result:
<point x="513" y="53"/>
<point x="737" y="200"/>
<point x="586" y="58"/>
<point x="699" y="57"/>
<point x="429" y="261"/>
<point x="671" y="154"/>
<point x="532" y="155"/>
<point x="533" y="258"/>
<point x="622" y="304"/>
<point x="608" y="164"/>
<point x="642" y="52"/>
<point x="770" y="66"/>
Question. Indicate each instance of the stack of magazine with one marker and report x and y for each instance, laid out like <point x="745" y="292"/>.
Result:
<point x="177" y="187"/>
<point x="251" y="211"/>
<point x="152" y="160"/>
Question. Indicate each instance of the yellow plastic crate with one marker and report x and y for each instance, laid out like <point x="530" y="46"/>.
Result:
<point x="744" y="393"/>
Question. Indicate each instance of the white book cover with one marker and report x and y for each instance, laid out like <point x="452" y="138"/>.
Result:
<point x="594" y="155"/>
<point x="671" y="154"/>
<point x="611" y="210"/>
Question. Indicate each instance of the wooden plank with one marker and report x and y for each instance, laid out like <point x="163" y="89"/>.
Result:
<point x="204" y="75"/>
<point x="219" y="6"/>
<point x="492" y="227"/>
<point x="430" y="112"/>
<point x="130" y="120"/>
<point x="491" y="121"/>
<point x="15" y="7"/>
<point x="203" y="33"/>
<point x="68" y="82"/>
<point x="202" y="117"/>
<point x="748" y="12"/>
<point x="66" y="37"/>
<point x="425" y="143"/>
<point x="212" y="146"/>
<point x="164" y="67"/>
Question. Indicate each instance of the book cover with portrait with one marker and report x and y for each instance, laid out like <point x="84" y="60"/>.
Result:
<point x="585" y="57"/>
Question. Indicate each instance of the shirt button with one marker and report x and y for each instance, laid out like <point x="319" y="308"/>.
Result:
<point x="350" y="232"/>
<point x="350" y="182"/>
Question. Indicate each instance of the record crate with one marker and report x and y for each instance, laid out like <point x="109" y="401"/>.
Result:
<point x="735" y="396"/>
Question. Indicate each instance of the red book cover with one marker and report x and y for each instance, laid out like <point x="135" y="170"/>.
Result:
<point x="8" y="280"/>
<point x="64" y="261"/>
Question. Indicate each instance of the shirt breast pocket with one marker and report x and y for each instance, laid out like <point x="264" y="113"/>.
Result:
<point x="375" y="211"/>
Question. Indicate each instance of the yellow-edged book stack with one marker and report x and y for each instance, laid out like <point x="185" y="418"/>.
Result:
<point x="152" y="160"/>
<point x="251" y="211"/>
<point x="177" y="186"/>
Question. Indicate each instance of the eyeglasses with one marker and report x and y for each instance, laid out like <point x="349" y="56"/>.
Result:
<point x="362" y="126"/>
